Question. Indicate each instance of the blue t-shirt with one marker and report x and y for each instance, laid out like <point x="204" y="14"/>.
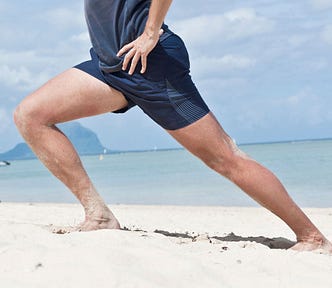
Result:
<point x="112" y="24"/>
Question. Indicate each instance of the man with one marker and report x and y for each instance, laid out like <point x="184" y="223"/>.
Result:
<point x="137" y="60"/>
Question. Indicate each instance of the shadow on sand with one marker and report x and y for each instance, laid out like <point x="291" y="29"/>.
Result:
<point x="272" y="243"/>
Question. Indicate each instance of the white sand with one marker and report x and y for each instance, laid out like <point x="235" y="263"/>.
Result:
<point x="31" y="256"/>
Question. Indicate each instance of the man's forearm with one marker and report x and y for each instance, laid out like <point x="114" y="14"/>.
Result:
<point x="157" y="14"/>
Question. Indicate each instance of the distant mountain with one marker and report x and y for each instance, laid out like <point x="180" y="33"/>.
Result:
<point x="85" y="141"/>
<point x="20" y="151"/>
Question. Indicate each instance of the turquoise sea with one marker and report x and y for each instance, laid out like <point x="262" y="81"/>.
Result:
<point x="174" y="177"/>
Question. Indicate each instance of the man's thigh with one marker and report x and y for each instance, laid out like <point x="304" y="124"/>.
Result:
<point x="72" y="95"/>
<point x="205" y="138"/>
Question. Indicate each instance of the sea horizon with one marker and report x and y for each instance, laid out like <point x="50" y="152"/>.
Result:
<point x="175" y="177"/>
<point x="116" y="151"/>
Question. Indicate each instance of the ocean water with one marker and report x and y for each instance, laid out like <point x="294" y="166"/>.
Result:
<point x="175" y="177"/>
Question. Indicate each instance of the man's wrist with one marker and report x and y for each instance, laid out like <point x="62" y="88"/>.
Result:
<point x="152" y="31"/>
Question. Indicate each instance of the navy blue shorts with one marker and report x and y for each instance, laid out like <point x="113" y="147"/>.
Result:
<point x="165" y="92"/>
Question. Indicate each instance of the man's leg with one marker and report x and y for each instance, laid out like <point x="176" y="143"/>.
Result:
<point x="71" y="95"/>
<point x="207" y="140"/>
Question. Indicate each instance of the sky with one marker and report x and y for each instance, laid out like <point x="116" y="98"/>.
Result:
<point x="264" y="67"/>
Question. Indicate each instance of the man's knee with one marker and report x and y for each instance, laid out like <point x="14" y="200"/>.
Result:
<point x="20" y="117"/>
<point x="220" y="163"/>
<point x="226" y="162"/>
<point x="26" y="116"/>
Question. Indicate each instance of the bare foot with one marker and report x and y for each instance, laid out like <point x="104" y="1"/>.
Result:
<point x="88" y="225"/>
<point x="320" y="245"/>
<point x="94" y="220"/>
<point x="91" y="224"/>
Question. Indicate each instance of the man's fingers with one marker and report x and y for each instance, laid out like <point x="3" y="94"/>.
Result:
<point x="136" y="51"/>
<point x="127" y="59"/>
<point x="124" y="49"/>
<point x="134" y="62"/>
<point x="144" y="63"/>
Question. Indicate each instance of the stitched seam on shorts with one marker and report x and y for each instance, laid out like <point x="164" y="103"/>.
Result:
<point x="187" y="110"/>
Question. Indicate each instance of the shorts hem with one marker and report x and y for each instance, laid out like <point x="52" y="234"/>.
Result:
<point x="184" y="124"/>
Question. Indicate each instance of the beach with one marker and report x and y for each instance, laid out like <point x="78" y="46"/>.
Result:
<point x="158" y="246"/>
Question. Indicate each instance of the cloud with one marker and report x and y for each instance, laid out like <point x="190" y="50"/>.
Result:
<point x="298" y="40"/>
<point x="205" y="66"/>
<point x="321" y="4"/>
<point x="306" y="106"/>
<point x="65" y="18"/>
<point x="26" y="26"/>
<point x="26" y="70"/>
<point x="15" y="58"/>
<point x="305" y="109"/>
<point x="81" y="37"/>
<point x="234" y="25"/>
<point x="3" y="6"/>
<point x="21" y="77"/>
<point x="327" y="34"/>
<point x="5" y="120"/>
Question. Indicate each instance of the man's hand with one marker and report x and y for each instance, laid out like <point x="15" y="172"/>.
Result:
<point x="138" y="50"/>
